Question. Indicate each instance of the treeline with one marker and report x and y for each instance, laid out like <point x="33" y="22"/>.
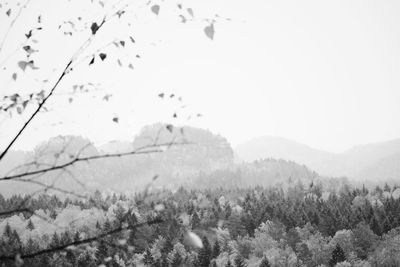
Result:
<point x="299" y="225"/>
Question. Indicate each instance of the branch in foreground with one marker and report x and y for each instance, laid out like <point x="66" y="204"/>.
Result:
<point x="80" y="242"/>
<point x="156" y="148"/>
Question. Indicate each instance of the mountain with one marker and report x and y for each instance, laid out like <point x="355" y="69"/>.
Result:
<point x="195" y="150"/>
<point x="362" y="162"/>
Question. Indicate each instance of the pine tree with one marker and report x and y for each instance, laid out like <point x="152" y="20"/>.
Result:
<point x="101" y="252"/>
<point x="195" y="220"/>
<point x="337" y="256"/>
<point x="216" y="250"/>
<point x="176" y="259"/>
<point x="148" y="258"/>
<point x="205" y="253"/>
<point x="30" y="225"/>
<point x="265" y="263"/>
<point x="239" y="262"/>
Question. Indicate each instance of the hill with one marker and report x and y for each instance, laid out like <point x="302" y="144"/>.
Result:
<point x="360" y="163"/>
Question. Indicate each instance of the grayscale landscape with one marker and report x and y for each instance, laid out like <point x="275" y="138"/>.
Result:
<point x="207" y="133"/>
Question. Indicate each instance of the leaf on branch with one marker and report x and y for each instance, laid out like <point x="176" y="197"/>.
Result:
<point x="8" y="13"/>
<point x="29" y="34"/>
<point x="209" y="31"/>
<point x="14" y="76"/>
<point x="122" y="42"/>
<point x="94" y="28"/>
<point x="102" y="56"/>
<point x="24" y="64"/>
<point x="28" y="49"/>
<point x="155" y="9"/>
<point x="132" y="40"/>
<point x="115" y="119"/>
<point x="91" y="61"/>
<point x="14" y="97"/>
<point x="25" y="103"/>
<point x="119" y="62"/>
<point x="130" y="66"/>
<point x="161" y="95"/>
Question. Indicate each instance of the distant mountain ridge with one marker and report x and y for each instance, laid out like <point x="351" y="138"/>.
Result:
<point x="362" y="162"/>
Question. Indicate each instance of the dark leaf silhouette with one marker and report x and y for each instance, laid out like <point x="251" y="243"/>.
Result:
<point x="29" y="34"/>
<point x="94" y="28"/>
<point x="115" y="119"/>
<point x="14" y="76"/>
<point x="91" y="61"/>
<point x="8" y="12"/>
<point x="161" y="95"/>
<point x="102" y="56"/>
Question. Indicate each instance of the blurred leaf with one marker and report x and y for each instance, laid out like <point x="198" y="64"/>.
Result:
<point x="132" y="40"/>
<point x="8" y="12"/>
<point x="170" y="127"/>
<point x="25" y="103"/>
<point x="122" y="42"/>
<point x="209" y="31"/>
<point x="194" y="240"/>
<point x="115" y="119"/>
<point x="119" y="62"/>
<point x="155" y="9"/>
<point x="190" y="11"/>
<point x="183" y="19"/>
<point x="161" y="95"/>
<point x="14" y="76"/>
<point x="107" y="97"/>
<point x="130" y="66"/>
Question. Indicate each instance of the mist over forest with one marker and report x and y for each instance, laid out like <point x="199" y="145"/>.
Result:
<point x="212" y="133"/>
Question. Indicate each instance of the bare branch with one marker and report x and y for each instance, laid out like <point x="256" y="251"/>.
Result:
<point x="155" y="148"/>
<point x="12" y="24"/>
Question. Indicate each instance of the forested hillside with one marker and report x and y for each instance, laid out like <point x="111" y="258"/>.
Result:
<point x="362" y="163"/>
<point x="301" y="225"/>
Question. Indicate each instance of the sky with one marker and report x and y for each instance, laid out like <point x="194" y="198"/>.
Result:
<point x="323" y="73"/>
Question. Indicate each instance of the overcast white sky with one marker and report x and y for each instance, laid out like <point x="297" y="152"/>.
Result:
<point x="324" y="73"/>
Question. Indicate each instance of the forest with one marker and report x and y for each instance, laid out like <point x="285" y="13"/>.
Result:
<point x="297" y="225"/>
